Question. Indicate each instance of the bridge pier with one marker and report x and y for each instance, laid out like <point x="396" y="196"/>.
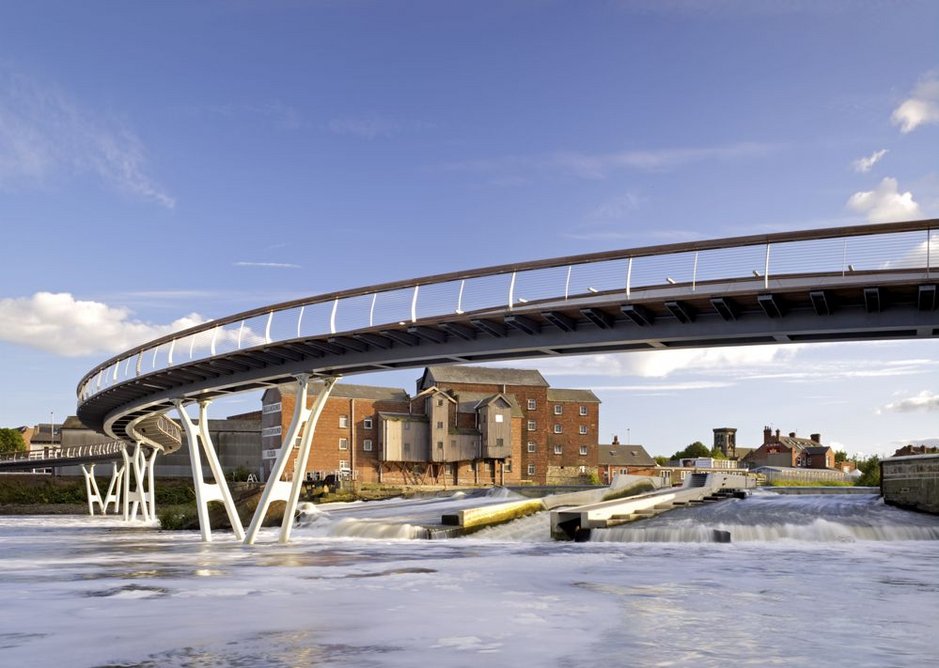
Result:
<point x="113" y="494"/>
<point x="141" y="498"/>
<point x="205" y="492"/>
<point x="281" y="490"/>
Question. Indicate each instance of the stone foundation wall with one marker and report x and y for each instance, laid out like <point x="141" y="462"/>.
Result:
<point x="911" y="482"/>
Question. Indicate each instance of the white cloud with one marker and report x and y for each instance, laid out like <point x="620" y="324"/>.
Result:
<point x="269" y="265"/>
<point x="885" y="203"/>
<point x="663" y="363"/>
<point x="924" y="401"/>
<point x="866" y="163"/>
<point x="60" y="324"/>
<point x="921" y="108"/>
<point x="44" y="133"/>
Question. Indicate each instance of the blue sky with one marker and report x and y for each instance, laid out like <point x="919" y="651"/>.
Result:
<point x="166" y="163"/>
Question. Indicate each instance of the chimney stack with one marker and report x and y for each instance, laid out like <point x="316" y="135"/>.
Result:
<point x="817" y="438"/>
<point x="615" y="439"/>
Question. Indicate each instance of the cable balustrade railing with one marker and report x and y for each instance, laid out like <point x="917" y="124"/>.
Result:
<point x="76" y="452"/>
<point x="907" y="246"/>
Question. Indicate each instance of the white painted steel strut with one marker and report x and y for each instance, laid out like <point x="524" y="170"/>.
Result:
<point x="281" y="490"/>
<point x="113" y="495"/>
<point x="205" y="491"/>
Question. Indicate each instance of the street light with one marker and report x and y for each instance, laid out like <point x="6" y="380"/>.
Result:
<point x="52" y="426"/>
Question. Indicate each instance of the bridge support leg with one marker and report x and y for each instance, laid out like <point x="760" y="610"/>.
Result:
<point x="113" y="494"/>
<point x="279" y="490"/>
<point x="205" y="492"/>
<point x="137" y="499"/>
<point x="91" y="488"/>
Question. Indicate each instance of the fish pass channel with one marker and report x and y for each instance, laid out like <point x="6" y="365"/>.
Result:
<point x="806" y="581"/>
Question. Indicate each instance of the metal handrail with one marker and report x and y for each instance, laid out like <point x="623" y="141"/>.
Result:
<point x="635" y="266"/>
<point x="73" y="452"/>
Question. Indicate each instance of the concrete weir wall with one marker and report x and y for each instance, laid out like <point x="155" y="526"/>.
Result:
<point x="911" y="482"/>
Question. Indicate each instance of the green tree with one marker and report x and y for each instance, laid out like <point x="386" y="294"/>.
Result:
<point x="696" y="449"/>
<point x="717" y="454"/>
<point x="11" y="440"/>
<point x="870" y="472"/>
<point x="840" y="456"/>
<point x="662" y="460"/>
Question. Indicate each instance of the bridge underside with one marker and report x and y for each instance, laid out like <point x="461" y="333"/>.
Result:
<point x="869" y="306"/>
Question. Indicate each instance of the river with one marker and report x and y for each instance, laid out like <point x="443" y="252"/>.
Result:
<point x="806" y="581"/>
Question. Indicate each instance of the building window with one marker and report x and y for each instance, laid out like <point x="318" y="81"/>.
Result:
<point x="558" y="449"/>
<point x="367" y="423"/>
<point x="558" y="409"/>
<point x="531" y="425"/>
<point x="439" y="424"/>
<point x="344" y="465"/>
<point x="343" y="443"/>
<point x="367" y="445"/>
<point x="271" y="431"/>
<point x="557" y="429"/>
<point x="531" y="446"/>
<point x="407" y="449"/>
<point x="499" y="417"/>
<point x="583" y="410"/>
<point x="583" y="450"/>
<point x="440" y="445"/>
<point x="583" y="429"/>
<point x="583" y="470"/>
<point x="531" y="469"/>
<point x="500" y="442"/>
<point x="508" y="465"/>
<point x="271" y="408"/>
<point x="440" y="402"/>
<point x="531" y="404"/>
<point x="343" y="421"/>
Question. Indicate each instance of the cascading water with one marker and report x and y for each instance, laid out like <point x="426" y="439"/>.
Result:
<point x="767" y="516"/>
<point x="397" y="518"/>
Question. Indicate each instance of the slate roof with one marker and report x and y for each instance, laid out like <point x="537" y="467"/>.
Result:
<point x="481" y="375"/>
<point x="350" y="391"/>
<point x="817" y="450"/>
<point x="623" y="455"/>
<point x="579" y="396"/>
<point x="469" y="401"/>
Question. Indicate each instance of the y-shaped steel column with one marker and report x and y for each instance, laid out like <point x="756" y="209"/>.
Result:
<point x="141" y="497"/>
<point x="205" y="492"/>
<point x="113" y="494"/>
<point x="280" y="490"/>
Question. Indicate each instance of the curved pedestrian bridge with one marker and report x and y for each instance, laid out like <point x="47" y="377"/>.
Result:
<point x="833" y="284"/>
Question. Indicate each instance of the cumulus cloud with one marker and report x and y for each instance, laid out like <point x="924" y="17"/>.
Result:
<point x="44" y="133"/>
<point x="924" y="401"/>
<point x="921" y="108"/>
<point x="885" y="203"/>
<point x="866" y="163"/>
<point x="663" y="363"/>
<point x="60" y="324"/>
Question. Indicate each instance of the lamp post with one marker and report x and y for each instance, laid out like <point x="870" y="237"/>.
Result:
<point x="52" y="427"/>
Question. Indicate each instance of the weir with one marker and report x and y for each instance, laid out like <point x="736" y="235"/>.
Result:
<point x="577" y="523"/>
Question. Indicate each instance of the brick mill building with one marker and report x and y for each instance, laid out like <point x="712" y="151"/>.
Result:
<point x="791" y="452"/>
<point x="464" y="425"/>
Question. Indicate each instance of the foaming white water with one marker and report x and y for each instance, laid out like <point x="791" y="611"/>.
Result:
<point x="770" y="517"/>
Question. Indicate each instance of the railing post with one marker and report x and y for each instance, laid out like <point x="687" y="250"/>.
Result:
<point x="766" y="269"/>
<point x="512" y="291"/>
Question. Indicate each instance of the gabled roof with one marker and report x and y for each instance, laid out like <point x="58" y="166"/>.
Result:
<point x="817" y="450"/>
<point x="623" y="455"/>
<point x="434" y="390"/>
<point x="401" y="417"/>
<point x="350" y="391"/>
<point x="797" y="443"/>
<point x="470" y="402"/>
<point x="579" y="396"/>
<point x="480" y="375"/>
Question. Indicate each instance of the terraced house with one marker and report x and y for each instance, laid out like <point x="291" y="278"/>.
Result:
<point x="464" y="425"/>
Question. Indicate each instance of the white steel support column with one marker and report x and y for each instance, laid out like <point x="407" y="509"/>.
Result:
<point x="151" y="489"/>
<point x="205" y="492"/>
<point x="279" y="490"/>
<point x="137" y="499"/>
<point x="113" y="495"/>
<point x="91" y="488"/>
